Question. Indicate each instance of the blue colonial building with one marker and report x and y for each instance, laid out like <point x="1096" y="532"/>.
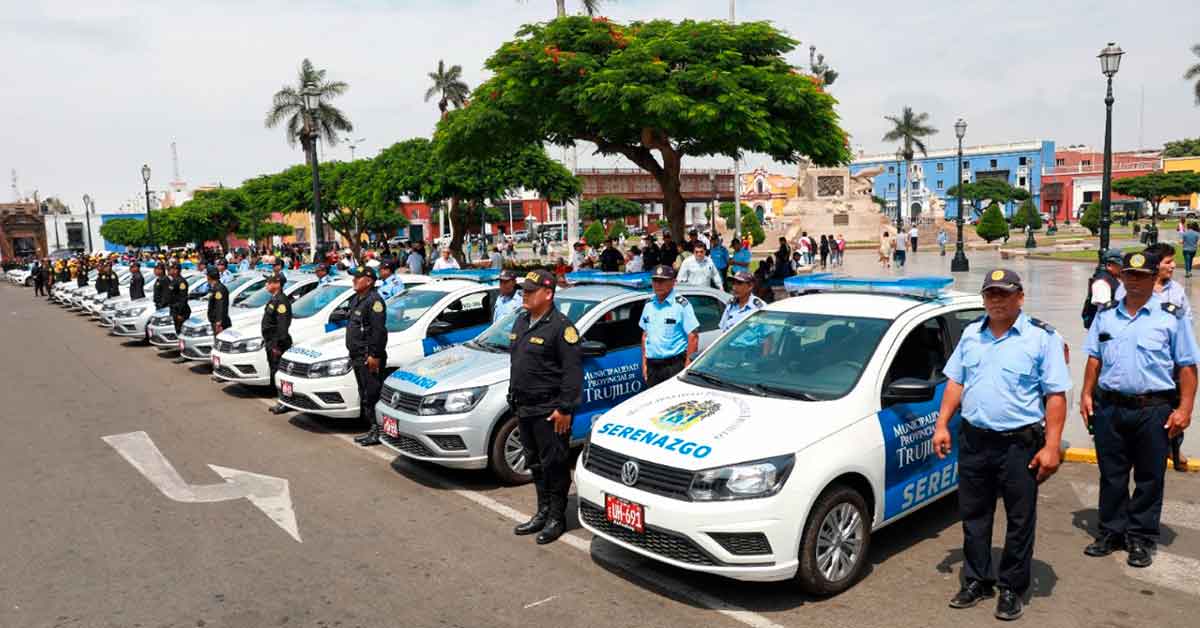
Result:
<point x="930" y="177"/>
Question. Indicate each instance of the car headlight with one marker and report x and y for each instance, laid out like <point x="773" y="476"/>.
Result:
<point x="330" y="368"/>
<point x="134" y="312"/>
<point x="453" y="402"/>
<point x="248" y="345"/>
<point x="761" y="478"/>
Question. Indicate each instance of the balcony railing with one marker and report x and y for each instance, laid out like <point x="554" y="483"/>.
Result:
<point x="1099" y="168"/>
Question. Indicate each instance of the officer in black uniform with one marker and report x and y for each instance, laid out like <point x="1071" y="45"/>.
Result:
<point x="81" y="277"/>
<point x="545" y="383"/>
<point x="218" y="303"/>
<point x="160" y="287"/>
<point x="114" y="283"/>
<point x="276" y="326"/>
<point x="177" y="298"/>
<point x="102" y="278"/>
<point x="137" y="283"/>
<point x="366" y="341"/>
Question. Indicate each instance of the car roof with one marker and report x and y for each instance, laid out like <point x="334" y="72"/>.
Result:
<point x="598" y="292"/>
<point x="451" y="285"/>
<point x="862" y="305"/>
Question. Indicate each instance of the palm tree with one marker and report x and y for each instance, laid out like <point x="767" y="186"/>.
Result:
<point x="908" y="128"/>
<point x="449" y="84"/>
<point x="288" y="103"/>
<point x="591" y="6"/>
<point x="1194" y="73"/>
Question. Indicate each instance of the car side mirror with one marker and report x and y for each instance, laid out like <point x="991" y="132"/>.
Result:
<point x="593" y="348"/>
<point x="910" y="390"/>
<point x="437" y="328"/>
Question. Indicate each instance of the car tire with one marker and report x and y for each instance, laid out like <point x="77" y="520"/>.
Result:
<point x="29" y="282"/>
<point x="837" y="508"/>
<point x="501" y="454"/>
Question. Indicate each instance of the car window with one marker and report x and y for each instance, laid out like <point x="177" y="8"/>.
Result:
<point x="922" y="354"/>
<point x="406" y="308"/>
<point x="958" y="322"/>
<point x="791" y="354"/>
<point x="250" y="291"/>
<point x="708" y="311"/>
<point x="472" y="310"/>
<point x="496" y="336"/>
<point x="618" y="328"/>
<point x="315" y="301"/>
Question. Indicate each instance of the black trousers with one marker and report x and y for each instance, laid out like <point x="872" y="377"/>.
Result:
<point x="996" y="465"/>
<point x="658" y="371"/>
<point x="369" y="385"/>
<point x="1131" y="439"/>
<point x="273" y="355"/>
<point x="548" y="456"/>
<point x="39" y="289"/>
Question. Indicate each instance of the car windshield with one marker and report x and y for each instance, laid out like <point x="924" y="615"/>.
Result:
<point x="495" y="338"/>
<point x="313" y="302"/>
<point x="813" y="357"/>
<point x="239" y="280"/>
<point x="253" y="291"/>
<point x="405" y="308"/>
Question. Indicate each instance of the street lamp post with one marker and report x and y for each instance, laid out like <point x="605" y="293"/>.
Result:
<point x="959" y="264"/>
<point x="87" y="217"/>
<point x="149" y="222"/>
<point x="312" y="101"/>
<point x="1030" y="243"/>
<point x="1110" y="62"/>
<point x="899" y="186"/>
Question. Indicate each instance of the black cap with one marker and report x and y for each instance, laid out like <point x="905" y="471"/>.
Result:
<point x="389" y="264"/>
<point x="213" y="273"/>
<point x="507" y="275"/>
<point x="277" y="278"/>
<point x="535" y="279"/>
<point x="743" y="276"/>
<point x="323" y="266"/>
<point x="1140" y="263"/>
<point x="1002" y="279"/>
<point x="1113" y="256"/>
<point x="365" y="271"/>
<point x="662" y="271"/>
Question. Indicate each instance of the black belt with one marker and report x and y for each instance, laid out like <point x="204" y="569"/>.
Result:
<point x="665" y="361"/>
<point x="1031" y="434"/>
<point x="1143" y="400"/>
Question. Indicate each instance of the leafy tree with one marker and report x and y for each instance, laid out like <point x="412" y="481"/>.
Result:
<point x="677" y="89"/>
<point x="594" y="234"/>
<point x="1027" y="214"/>
<point x="1091" y="217"/>
<point x="908" y="128"/>
<point x="607" y="207"/>
<point x="726" y="211"/>
<point x="1184" y="147"/>
<point x="618" y="229"/>
<point x="1193" y="73"/>
<point x="449" y="84"/>
<point x="992" y="225"/>
<point x="125" y="231"/>
<point x="288" y="104"/>
<point x="1156" y="186"/>
<point x="996" y="192"/>
<point x="752" y="226"/>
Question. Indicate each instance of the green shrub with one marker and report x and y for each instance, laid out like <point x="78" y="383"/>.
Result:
<point x="618" y="229"/>
<point x="1027" y="214"/>
<point x="992" y="225"/>
<point x="1091" y="217"/>
<point x="594" y="234"/>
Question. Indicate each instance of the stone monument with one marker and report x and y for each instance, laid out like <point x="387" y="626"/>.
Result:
<point x="832" y="201"/>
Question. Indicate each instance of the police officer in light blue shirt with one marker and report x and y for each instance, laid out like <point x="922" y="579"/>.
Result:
<point x="1134" y="406"/>
<point x="744" y="302"/>
<point x="243" y="265"/>
<point x="1008" y="374"/>
<point x="669" y="337"/>
<point x="323" y="276"/>
<point x="223" y="268"/>
<point x="390" y="286"/>
<point x="508" y="300"/>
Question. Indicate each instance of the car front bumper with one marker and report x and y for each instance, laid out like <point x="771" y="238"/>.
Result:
<point x="196" y="348"/>
<point x="132" y="327"/>
<point x="241" y="368"/>
<point x="335" y="397"/>
<point x="422" y="437"/>
<point x="679" y="532"/>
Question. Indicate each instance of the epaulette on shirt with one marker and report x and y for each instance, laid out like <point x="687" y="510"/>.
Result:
<point x="757" y="303"/>
<point x="1108" y="306"/>
<point x="1173" y="310"/>
<point x="680" y="300"/>
<point x="1037" y="322"/>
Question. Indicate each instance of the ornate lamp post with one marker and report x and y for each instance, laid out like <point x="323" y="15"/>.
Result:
<point x="1110" y="62"/>
<point x="959" y="264"/>
<point x="88" y="207"/>
<point x="149" y="223"/>
<point x="899" y="186"/>
<point x="312" y="102"/>
<point x="1030" y="243"/>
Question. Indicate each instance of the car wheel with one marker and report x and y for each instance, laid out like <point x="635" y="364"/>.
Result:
<point x="506" y="456"/>
<point x="837" y="535"/>
<point x="29" y="282"/>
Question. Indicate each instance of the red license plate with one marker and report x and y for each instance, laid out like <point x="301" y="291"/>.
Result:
<point x="625" y="513"/>
<point x="285" y="388"/>
<point x="389" y="427"/>
<point x="216" y="362"/>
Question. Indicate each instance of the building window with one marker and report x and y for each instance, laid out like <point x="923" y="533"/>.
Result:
<point x="1021" y="161"/>
<point x="1060" y="162"/>
<point x="1085" y="162"/>
<point x="891" y="187"/>
<point x="891" y="170"/>
<point x="916" y="186"/>
<point x="941" y="166"/>
<point x="1021" y="182"/>
<point x="939" y="184"/>
<point x="966" y="165"/>
<point x="993" y="163"/>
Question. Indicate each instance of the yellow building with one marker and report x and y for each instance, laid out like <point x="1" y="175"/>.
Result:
<point x="1183" y="164"/>
<point x="768" y="193"/>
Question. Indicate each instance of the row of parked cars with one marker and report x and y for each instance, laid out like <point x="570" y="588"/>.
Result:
<point x="788" y="441"/>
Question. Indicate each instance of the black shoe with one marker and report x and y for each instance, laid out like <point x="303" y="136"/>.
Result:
<point x="1009" y="606"/>
<point x="1104" y="546"/>
<point x="534" y="525"/>
<point x="971" y="594"/>
<point x="554" y="528"/>
<point x="370" y="439"/>
<point x="1141" y="554"/>
<point x="279" y="408"/>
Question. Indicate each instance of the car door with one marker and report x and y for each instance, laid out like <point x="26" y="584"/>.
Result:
<point x="708" y="310"/>
<point x="914" y="475"/>
<point x="459" y="321"/>
<point x="616" y="375"/>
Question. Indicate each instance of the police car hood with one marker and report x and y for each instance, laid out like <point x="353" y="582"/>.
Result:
<point x="200" y="319"/>
<point x="690" y="427"/>
<point x="330" y="346"/>
<point x="453" y="369"/>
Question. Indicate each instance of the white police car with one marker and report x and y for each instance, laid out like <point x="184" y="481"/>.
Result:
<point x="451" y="409"/>
<point x="316" y="376"/>
<point x="196" y="337"/>
<point x="108" y="310"/>
<point x="796" y="435"/>
<point x="246" y="311"/>
<point x="160" y="329"/>
<point x="238" y="354"/>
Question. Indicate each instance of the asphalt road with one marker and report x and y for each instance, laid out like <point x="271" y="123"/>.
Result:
<point x="86" y="540"/>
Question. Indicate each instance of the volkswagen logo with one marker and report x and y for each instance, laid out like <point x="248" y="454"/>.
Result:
<point x="629" y="472"/>
<point x="395" y="399"/>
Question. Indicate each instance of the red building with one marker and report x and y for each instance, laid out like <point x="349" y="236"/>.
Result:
<point x="1077" y="175"/>
<point x="421" y="215"/>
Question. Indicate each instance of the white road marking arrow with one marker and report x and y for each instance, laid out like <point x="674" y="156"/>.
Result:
<point x="269" y="494"/>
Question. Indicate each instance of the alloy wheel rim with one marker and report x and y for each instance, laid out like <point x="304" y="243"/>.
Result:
<point x="514" y="452"/>
<point x="839" y="542"/>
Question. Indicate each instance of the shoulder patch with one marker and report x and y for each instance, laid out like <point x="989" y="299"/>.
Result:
<point x="217" y="296"/>
<point x="281" y="308"/>
<point x="570" y="334"/>
<point x="377" y="307"/>
<point x="681" y="300"/>
<point x="1173" y="310"/>
<point x="757" y="303"/>
<point x="1108" y="306"/>
<point x="1037" y="322"/>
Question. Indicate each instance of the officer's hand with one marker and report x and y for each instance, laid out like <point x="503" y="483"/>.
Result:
<point x="1086" y="409"/>
<point x="1177" y="422"/>
<point x="645" y="375"/>
<point x="1046" y="461"/>
<point x="941" y="442"/>
<point x="219" y="328"/>
<point x="562" y="422"/>
<point x="373" y="365"/>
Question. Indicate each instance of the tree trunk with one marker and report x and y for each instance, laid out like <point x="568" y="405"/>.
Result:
<point x="674" y="207"/>
<point x="458" y="227"/>
<point x="562" y="8"/>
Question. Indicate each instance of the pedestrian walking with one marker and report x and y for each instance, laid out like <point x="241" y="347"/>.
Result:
<point x="740" y="261"/>
<point x="885" y="250"/>
<point x="276" y="331"/>
<point x="841" y="250"/>
<point x="545" y="385"/>
<point x="699" y="270"/>
<point x="1139" y="386"/>
<point x="720" y="259"/>
<point x="912" y="237"/>
<point x="37" y="271"/>
<point x="1188" y="241"/>
<point x="669" y="337"/>
<point x="366" y="342"/>
<point x="651" y="252"/>
<point x="1103" y="286"/>
<point x="941" y="242"/>
<point x="823" y="248"/>
<point x="415" y="260"/>
<point x="1010" y="436"/>
<point x="900" y="248"/>
<point x="218" y="303"/>
<point x="669" y="252"/>
<point x="803" y="248"/>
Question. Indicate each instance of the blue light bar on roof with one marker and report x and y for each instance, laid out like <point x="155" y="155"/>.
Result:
<point x="928" y="287"/>
<point x="190" y="265"/>
<point x="482" y="275"/>
<point x="599" y="277"/>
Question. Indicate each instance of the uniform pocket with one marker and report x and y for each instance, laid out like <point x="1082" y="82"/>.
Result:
<point x="1022" y="373"/>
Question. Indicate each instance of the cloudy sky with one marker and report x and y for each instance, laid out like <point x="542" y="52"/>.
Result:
<point x="95" y="89"/>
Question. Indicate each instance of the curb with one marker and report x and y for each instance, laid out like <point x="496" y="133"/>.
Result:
<point x="1088" y="456"/>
